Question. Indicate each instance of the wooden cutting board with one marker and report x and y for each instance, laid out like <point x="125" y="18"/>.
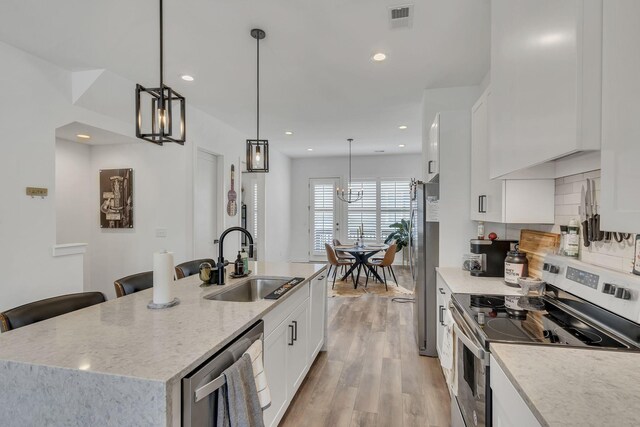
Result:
<point x="537" y="244"/>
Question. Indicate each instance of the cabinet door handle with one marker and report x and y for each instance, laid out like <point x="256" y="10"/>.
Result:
<point x="321" y="278"/>
<point x="484" y="203"/>
<point x="441" y="315"/>
<point x="429" y="166"/>
<point x="291" y="335"/>
<point x="479" y="204"/>
<point x="441" y="291"/>
<point x="295" y="330"/>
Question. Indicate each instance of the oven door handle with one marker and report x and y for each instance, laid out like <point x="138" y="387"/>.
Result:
<point x="473" y="348"/>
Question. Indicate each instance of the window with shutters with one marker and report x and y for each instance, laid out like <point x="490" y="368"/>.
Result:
<point x="384" y="202"/>
<point x="394" y="204"/>
<point x="364" y="212"/>
<point x="322" y="203"/>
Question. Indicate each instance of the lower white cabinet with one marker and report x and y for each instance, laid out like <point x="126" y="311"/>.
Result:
<point x="295" y="334"/>
<point x="509" y="409"/>
<point x="317" y="315"/>
<point x="445" y="344"/>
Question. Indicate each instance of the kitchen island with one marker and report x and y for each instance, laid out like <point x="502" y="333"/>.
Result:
<point x="564" y="386"/>
<point x="120" y="363"/>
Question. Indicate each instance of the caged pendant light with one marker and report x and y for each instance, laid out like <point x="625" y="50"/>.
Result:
<point x="347" y="195"/>
<point x="257" y="149"/>
<point x="164" y="108"/>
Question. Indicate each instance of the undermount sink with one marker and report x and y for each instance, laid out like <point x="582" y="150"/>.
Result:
<point x="254" y="289"/>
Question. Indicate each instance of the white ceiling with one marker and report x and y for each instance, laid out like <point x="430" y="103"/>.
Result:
<point x="317" y="78"/>
<point x="99" y="136"/>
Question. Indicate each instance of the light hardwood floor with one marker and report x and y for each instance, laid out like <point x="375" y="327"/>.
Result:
<point x="371" y="374"/>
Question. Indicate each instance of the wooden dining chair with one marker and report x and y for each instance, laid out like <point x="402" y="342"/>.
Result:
<point x="335" y="263"/>
<point x="385" y="263"/>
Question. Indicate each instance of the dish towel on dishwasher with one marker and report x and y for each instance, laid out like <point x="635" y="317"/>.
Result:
<point x="255" y="352"/>
<point x="238" y="404"/>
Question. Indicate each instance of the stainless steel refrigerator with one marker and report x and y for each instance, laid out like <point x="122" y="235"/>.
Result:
<point x="425" y="230"/>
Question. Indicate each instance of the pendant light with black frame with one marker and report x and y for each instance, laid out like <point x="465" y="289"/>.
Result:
<point x="347" y="195"/>
<point x="163" y="102"/>
<point x="258" y="149"/>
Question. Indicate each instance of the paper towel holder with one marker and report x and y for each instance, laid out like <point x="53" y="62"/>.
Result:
<point x="154" y="306"/>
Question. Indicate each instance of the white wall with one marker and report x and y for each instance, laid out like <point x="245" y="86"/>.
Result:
<point x="74" y="217"/>
<point x="444" y="99"/>
<point x="40" y="96"/>
<point x="277" y="207"/>
<point x="383" y="166"/>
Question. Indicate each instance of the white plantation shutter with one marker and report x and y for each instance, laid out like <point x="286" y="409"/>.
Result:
<point x="394" y="204"/>
<point x="322" y="214"/>
<point x="364" y="212"/>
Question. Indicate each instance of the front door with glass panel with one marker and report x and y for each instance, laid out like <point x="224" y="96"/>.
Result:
<point x="323" y="221"/>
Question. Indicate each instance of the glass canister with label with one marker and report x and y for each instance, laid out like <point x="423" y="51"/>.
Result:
<point x="516" y="265"/>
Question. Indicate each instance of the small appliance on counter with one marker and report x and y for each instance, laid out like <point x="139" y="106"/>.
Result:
<point x="493" y="254"/>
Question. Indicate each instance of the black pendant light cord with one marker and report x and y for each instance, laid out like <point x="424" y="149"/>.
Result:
<point x="258" y="89"/>
<point x="162" y="109"/>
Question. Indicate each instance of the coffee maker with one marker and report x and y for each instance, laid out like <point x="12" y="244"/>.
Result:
<point x="491" y="255"/>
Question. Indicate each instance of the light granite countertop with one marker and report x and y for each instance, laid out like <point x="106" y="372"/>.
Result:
<point x="573" y="386"/>
<point x="461" y="282"/>
<point x="123" y="337"/>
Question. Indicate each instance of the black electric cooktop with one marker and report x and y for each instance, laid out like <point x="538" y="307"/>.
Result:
<point x="530" y="320"/>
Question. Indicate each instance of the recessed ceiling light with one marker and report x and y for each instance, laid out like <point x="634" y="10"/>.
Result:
<point x="403" y="127"/>
<point x="83" y="136"/>
<point x="401" y="145"/>
<point x="309" y="149"/>
<point x="379" y="57"/>
<point x="288" y="132"/>
<point x="379" y="151"/>
<point x="187" y="78"/>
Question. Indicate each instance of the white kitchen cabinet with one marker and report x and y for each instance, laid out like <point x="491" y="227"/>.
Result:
<point x="503" y="200"/>
<point x="286" y="361"/>
<point x="546" y="81"/>
<point x="509" y="409"/>
<point x="433" y="149"/>
<point x="445" y="342"/>
<point x="620" y="174"/>
<point x="317" y="315"/>
<point x="275" y="367"/>
<point x="295" y="333"/>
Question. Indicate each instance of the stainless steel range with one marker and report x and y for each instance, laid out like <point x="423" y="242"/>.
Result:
<point x="583" y="306"/>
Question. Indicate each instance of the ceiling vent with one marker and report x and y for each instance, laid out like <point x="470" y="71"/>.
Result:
<point x="401" y="16"/>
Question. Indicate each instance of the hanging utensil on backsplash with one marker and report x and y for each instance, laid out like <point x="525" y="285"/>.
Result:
<point x="586" y="235"/>
<point x="598" y="235"/>
<point x="232" y="205"/>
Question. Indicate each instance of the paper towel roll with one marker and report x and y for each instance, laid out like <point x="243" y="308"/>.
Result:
<point x="163" y="271"/>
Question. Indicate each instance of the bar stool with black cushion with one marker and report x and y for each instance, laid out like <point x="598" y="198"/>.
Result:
<point x="47" y="308"/>
<point x="385" y="263"/>
<point x="134" y="283"/>
<point x="334" y="263"/>
<point x="190" y="268"/>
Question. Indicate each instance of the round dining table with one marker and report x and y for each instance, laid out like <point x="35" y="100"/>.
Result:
<point x="361" y="255"/>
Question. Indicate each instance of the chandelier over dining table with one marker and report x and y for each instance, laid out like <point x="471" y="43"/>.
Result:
<point x="347" y="195"/>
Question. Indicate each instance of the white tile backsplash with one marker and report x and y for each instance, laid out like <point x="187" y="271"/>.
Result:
<point x="618" y="256"/>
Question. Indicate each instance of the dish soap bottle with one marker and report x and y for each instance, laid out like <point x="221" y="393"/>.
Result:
<point x="239" y="265"/>
<point x="245" y="261"/>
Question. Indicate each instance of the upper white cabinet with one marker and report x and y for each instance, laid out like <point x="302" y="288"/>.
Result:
<point x="546" y="81"/>
<point x="499" y="200"/>
<point x="433" y="150"/>
<point x="620" y="210"/>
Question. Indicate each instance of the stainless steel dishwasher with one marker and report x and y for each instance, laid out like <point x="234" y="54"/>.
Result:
<point x="199" y="389"/>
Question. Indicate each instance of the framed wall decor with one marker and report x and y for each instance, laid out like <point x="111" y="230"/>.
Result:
<point x="116" y="198"/>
